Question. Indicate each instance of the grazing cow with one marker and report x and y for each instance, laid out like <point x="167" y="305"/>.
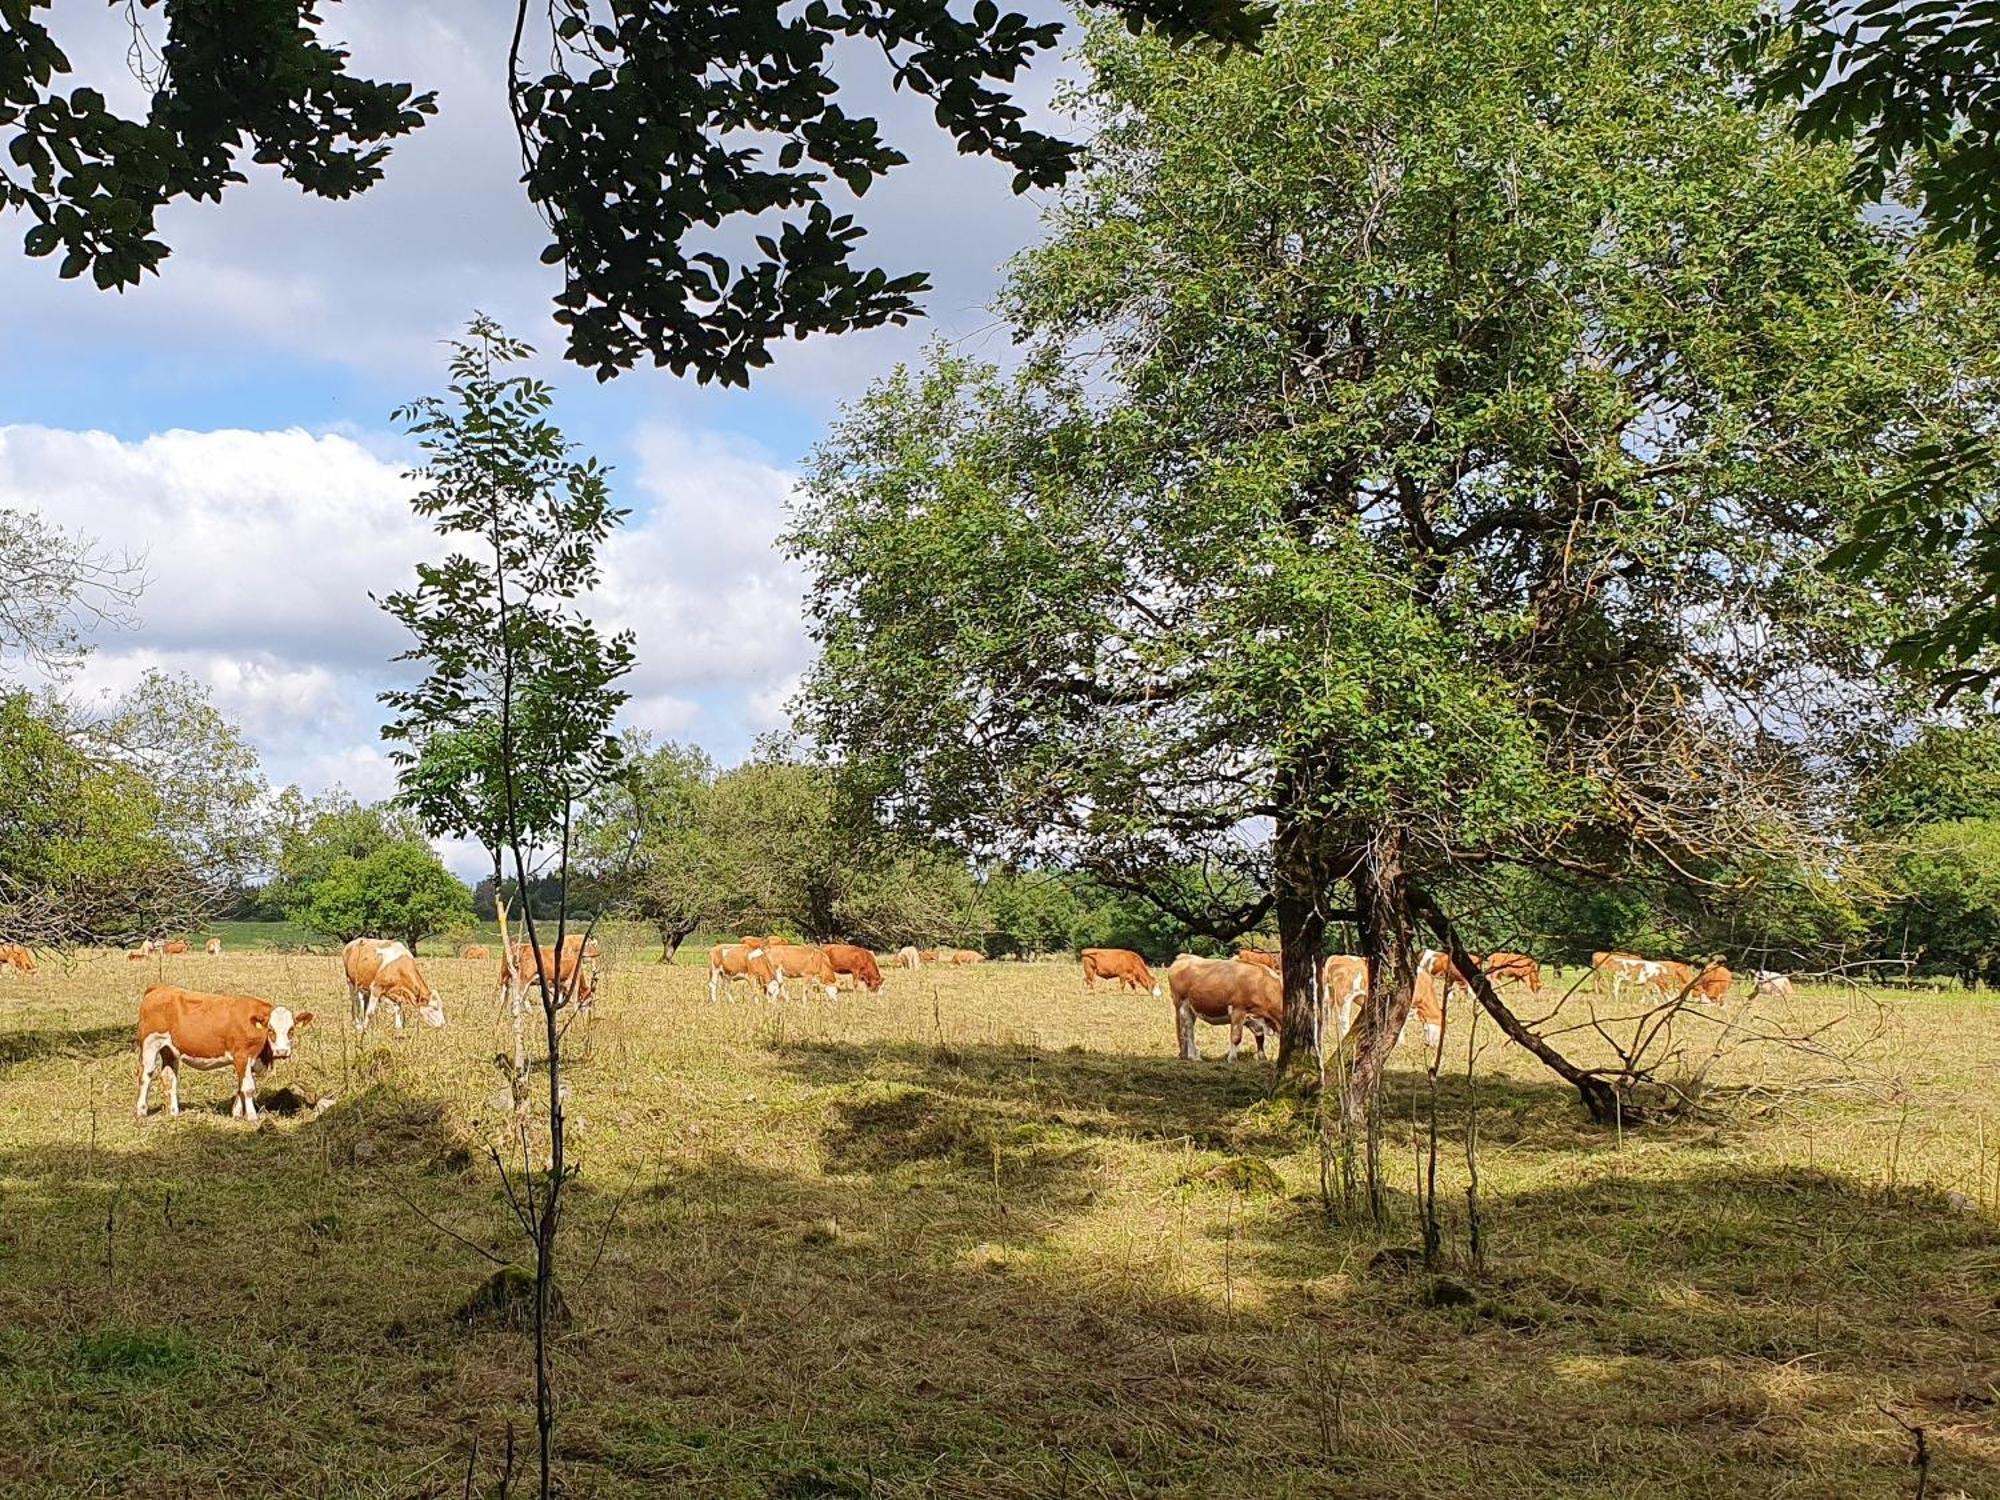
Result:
<point x="1259" y="957"/>
<point x="575" y="978"/>
<point x="798" y="961"/>
<point x="747" y="961"/>
<point x="1771" y="985"/>
<point x="1222" y="991"/>
<point x="936" y="955"/>
<point x="857" y="963"/>
<point x="137" y="955"/>
<point x="1121" y="967"/>
<point x="967" y="956"/>
<point x="1669" y="978"/>
<point x="179" y="1026"/>
<point x="475" y="950"/>
<point x="1712" y="988"/>
<point x="378" y="969"/>
<point x="176" y="945"/>
<point x="15" y="956"/>
<point x="1343" y="982"/>
<point x="1516" y="968"/>
<point x="909" y="958"/>
<point x="213" y="947"/>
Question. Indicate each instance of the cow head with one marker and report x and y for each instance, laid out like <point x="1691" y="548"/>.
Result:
<point x="283" y="1025"/>
<point x="432" y="1009"/>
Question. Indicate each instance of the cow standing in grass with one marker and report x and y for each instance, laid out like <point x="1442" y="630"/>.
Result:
<point x="15" y="957"/>
<point x="798" y="961"/>
<point x="1121" y="968"/>
<point x="179" y="1026"/>
<point x="746" y="960"/>
<point x="856" y="962"/>
<point x="380" y="969"/>
<point x="1223" y="992"/>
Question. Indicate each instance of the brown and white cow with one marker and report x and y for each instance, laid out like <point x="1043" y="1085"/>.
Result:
<point x="213" y="947"/>
<point x="575" y="978"/>
<point x="1343" y="985"/>
<point x="475" y="951"/>
<point x="746" y="960"/>
<point x="15" y="956"/>
<point x="1667" y="977"/>
<point x="137" y="955"/>
<point x="1119" y="967"/>
<point x="798" y="961"/>
<point x="179" y="1026"/>
<point x="856" y="962"/>
<point x="1259" y="957"/>
<point x="964" y="956"/>
<point x="1221" y="991"/>
<point x="909" y="957"/>
<point x="381" y="969"/>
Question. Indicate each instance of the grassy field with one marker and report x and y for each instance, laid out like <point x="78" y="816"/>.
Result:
<point x="981" y="1236"/>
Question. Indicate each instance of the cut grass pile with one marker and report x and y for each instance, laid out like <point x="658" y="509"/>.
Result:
<point x="981" y="1235"/>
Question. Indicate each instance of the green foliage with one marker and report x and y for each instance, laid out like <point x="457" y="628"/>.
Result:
<point x="399" y="889"/>
<point x="1947" y="773"/>
<point x="134" y="822"/>
<point x="641" y="128"/>
<point x="313" y="835"/>
<point x="510" y="730"/>
<point x="229" y="72"/>
<point x="1947" y="913"/>
<point x="1430" y="430"/>
<point x="1911" y="85"/>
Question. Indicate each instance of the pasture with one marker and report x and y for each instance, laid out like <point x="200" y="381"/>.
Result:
<point x="981" y="1235"/>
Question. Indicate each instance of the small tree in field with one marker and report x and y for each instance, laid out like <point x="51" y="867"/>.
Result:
<point x="509" y="732"/>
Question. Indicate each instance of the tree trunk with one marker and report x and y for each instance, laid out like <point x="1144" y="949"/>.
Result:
<point x="1301" y="936"/>
<point x="1382" y="906"/>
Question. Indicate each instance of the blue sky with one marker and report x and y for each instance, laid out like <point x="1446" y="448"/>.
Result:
<point x="229" y="421"/>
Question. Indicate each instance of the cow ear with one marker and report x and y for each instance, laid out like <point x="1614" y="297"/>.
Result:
<point x="302" y="1020"/>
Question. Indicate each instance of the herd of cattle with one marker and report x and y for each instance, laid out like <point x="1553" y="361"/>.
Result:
<point x="180" y="1026"/>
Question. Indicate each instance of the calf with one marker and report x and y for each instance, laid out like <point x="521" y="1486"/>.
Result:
<point x="856" y="962"/>
<point x="746" y="961"/>
<point x="1771" y="985"/>
<point x="909" y="958"/>
<point x="179" y="1026"/>
<point x="1222" y="991"/>
<point x="378" y="969"/>
<point x="1120" y="967"/>
<point x="176" y="945"/>
<point x="967" y="956"/>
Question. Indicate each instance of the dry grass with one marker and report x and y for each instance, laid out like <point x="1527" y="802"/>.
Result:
<point x="980" y="1236"/>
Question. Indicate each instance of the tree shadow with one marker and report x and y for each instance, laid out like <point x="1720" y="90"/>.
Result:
<point x="85" y="1044"/>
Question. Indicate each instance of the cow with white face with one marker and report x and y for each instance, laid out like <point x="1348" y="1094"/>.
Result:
<point x="378" y="969"/>
<point x="179" y="1026"/>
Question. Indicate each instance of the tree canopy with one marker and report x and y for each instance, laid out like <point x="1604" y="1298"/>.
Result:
<point x="643" y="126"/>
<point x="1429" y="431"/>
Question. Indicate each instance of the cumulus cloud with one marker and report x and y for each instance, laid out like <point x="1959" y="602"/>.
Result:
<point x="261" y="552"/>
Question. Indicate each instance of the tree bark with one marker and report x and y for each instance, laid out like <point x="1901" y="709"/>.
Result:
<point x="1382" y="907"/>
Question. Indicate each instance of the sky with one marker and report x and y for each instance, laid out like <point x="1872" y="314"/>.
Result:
<point x="227" y="424"/>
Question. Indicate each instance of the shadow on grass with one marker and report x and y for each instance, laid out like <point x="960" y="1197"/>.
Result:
<point x="965" y="1302"/>
<point x="88" y="1044"/>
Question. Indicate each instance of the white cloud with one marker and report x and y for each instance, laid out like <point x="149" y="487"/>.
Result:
<point x="262" y="549"/>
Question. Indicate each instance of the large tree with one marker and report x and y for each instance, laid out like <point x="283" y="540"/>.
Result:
<point x="1429" y="430"/>
<point x="642" y="125"/>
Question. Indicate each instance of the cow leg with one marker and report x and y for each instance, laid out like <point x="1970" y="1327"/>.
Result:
<point x="1235" y="1035"/>
<point x="397" y="1007"/>
<point x="246" y="1092"/>
<point x="357" y="1000"/>
<point x="170" y="1073"/>
<point x="149" y="1059"/>
<point x="1184" y="1032"/>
